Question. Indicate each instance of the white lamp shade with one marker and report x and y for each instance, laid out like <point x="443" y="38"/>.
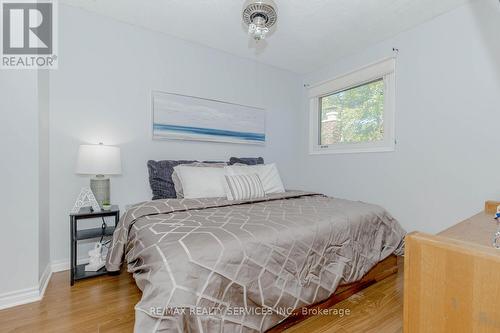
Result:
<point x="98" y="160"/>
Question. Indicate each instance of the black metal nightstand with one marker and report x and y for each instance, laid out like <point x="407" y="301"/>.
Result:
<point x="78" y="271"/>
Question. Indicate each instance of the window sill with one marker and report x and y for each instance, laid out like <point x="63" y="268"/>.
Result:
<point x="352" y="150"/>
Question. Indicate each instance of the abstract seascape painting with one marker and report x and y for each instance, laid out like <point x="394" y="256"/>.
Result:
<point x="191" y="118"/>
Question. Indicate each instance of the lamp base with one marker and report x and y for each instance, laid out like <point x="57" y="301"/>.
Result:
<point x="100" y="187"/>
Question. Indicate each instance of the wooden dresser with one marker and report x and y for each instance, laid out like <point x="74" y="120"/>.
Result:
<point x="479" y="230"/>
<point x="452" y="280"/>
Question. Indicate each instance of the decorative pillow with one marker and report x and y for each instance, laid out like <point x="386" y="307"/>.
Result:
<point x="268" y="174"/>
<point x="177" y="182"/>
<point x="246" y="160"/>
<point x="160" y="178"/>
<point x="201" y="182"/>
<point x="244" y="187"/>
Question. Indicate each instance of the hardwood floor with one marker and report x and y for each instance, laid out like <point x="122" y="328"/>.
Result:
<point x="106" y="304"/>
<point x="102" y="304"/>
<point x="376" y="309"/>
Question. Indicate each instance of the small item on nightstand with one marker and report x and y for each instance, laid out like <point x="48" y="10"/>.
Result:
<point x="106" y="206"/>
<point x="96" y="259"/>
<point x="86" y="198"/>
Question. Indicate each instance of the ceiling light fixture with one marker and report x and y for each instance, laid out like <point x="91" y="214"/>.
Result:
<point x="259" y="16"/>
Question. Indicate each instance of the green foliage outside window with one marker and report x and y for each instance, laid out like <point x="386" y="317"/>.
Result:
<point x="355" y="115"/>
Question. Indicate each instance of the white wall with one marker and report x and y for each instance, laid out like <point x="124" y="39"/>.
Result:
<point x="24" y="170"/>
<point x="19" y="179"/>
<point x="101" y="92"/>
<point x="447" y="122"/>
<point x="43" y="173"/>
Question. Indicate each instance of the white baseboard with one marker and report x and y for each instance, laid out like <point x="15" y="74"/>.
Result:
<point x="28" y="295"/>
<point x="19" y="297"/>
<point x="35" y="293"/>
<point x="44" y="280"/>
<point x="64" y="265"/>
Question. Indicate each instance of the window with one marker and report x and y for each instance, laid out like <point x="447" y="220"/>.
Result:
<point x="354" y="113"/>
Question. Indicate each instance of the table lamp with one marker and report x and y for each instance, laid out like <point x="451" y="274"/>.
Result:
<point x="99" y="161"/>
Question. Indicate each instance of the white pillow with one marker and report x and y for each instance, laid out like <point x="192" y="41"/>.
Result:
<point x="244" y="187"/>
<point x="201" y="182"/>
<point x="268" y="174"/>
<point x="179" y="192"/>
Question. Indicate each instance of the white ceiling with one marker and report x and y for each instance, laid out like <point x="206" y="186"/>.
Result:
<point x="309" y="34"/>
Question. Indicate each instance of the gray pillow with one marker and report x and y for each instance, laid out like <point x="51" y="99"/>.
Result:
<point x="160" y="177"/>
<point x="246" y="160"/>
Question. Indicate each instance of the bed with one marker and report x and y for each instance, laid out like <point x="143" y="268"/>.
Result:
<point x="213" y="265"/>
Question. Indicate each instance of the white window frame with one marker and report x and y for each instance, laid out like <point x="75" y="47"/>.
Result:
<point x="385" y="70"/>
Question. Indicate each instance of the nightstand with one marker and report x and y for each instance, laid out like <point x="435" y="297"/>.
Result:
<point x="78" y="271"/>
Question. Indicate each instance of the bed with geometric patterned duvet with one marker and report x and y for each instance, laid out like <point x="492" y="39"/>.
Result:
<point x="213" y="265"/>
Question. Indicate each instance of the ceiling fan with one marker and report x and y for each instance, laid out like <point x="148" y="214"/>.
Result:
<point x="259" y="16"/>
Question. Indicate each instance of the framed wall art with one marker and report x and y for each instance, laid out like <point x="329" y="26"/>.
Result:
<point x="192" y="118"/>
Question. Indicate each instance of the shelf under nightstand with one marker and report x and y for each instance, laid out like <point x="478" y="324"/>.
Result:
<point x="93" y="233"/>
<point x="81" y="274"/>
